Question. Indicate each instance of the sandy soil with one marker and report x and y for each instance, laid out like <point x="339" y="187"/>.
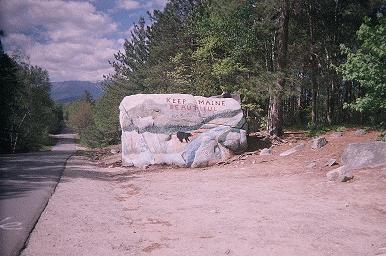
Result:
<point x="256" y="206"/>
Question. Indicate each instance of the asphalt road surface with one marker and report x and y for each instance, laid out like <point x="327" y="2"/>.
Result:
<point x="27" y="182"/>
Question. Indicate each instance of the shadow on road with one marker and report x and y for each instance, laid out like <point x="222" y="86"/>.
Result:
<point x="22" y="173"/>
<point x="25" y="172"/>
<point x="77" y="169"/>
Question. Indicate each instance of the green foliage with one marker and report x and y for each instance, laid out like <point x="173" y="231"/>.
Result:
<point x="27" y="113"/>
<point x="80" y="116"/>
<point x="105" y="129"/>
<point x="316" y="131"/>
<point x="10" y="91"/>
<point x="367" y="66"/>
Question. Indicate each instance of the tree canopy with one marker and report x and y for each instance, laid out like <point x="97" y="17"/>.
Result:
<point x="367" y="66"/>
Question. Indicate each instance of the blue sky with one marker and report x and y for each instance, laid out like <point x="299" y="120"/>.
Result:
<point x="73" y="40"/>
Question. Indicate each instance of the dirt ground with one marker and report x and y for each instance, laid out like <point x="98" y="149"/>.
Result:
<point x="257" y="205"/>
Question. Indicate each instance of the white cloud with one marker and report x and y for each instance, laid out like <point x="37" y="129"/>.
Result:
<point x="156" y="3"/>
<point x="137" y="4"/>
<point x="78" y="60"/>
<point x="68" y="38"/>
<point x="128" y="4"/>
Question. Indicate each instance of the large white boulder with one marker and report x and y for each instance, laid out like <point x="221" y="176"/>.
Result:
<point x="180" y="129"/>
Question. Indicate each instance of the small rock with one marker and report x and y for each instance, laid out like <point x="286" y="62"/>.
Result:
<point x="114" y="151"/>
<point x="332" y="175"/>
<point x="311" y="165"/>
<point x="342" y="174"/>
<point x="360" y="132"/>
<point x="337" y="134"/>
<point x="347" y="178"/>
<point x="318" y="143"/>
<point x="292" y="150"/>
<point x="331" y="162"/>
<point x="266" y="152"/>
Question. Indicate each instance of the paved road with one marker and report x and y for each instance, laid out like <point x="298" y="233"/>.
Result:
<point x="26" y="184"/>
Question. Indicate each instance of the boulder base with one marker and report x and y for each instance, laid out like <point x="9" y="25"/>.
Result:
<point x="180" y="129"/>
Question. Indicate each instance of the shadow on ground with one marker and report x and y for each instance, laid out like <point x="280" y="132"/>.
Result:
<point x="21" y="173"/>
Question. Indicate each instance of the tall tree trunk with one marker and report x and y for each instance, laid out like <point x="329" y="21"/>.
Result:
<point x="313" y="65"/>
<point x="332" y="99"/>
<point x="328" y="106"/>
<point x="299" y="105"/>
<point x="14" y="142"/>
<point x="275" y="114"/>
<point x="331" y="102"/>
<point x="314" y="103"/>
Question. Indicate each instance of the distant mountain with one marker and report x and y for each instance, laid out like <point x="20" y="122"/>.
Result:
<point x="69" y="91"/>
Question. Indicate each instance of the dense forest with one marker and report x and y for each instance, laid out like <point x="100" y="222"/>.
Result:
<point x="27" y="113"/>
<point x="295" y="63"/>
<point x="299" y="63"/>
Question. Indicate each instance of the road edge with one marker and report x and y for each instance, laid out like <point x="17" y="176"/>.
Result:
<point x="20" y="252"/>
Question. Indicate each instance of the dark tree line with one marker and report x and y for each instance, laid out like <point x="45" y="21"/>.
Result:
<point x="304" y="63"/>
<point x="27" y="113"/>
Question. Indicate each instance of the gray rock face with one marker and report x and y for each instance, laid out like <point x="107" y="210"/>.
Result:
<point x="266" y="152"/>
<point x="292" y="150"/>
<point x="359" y="155"/>
<point x="318" y="142"/>
<point x="367" y="154"/>
<point x="180" y="129"/>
